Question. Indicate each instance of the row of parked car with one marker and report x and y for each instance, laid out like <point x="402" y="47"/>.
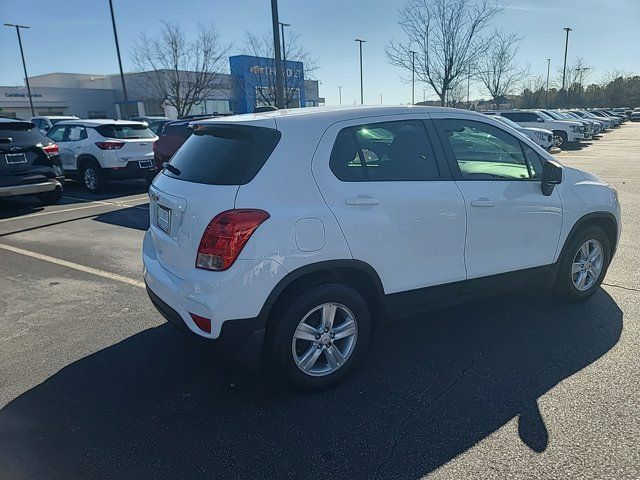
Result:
<point x="40" y="153"/>
<point x="559" y="128"/>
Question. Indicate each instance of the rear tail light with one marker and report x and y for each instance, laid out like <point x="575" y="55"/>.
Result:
<point x="109" y="145"/>
<point x="51" y="149"/>
<point x="202" y="323"/>
<point x="225" y="237"/>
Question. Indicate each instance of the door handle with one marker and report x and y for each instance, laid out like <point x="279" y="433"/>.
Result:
<point x="482" y="202"/>
<point x="362" y="200"/>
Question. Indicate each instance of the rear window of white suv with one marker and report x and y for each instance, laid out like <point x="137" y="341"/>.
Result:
<point x="223" y="154"/>
<point x="125" y="131"/>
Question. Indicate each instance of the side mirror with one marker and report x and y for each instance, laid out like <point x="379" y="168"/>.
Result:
<point x="551" y="176"/>
<point x="47" y="128"/>
<point x="540" y="120"/>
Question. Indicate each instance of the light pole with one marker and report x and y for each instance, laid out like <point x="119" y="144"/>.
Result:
<point x="413" y="77"/>
<point x="24" y="64"/>
<point x="115" y="36"/>
<point x="340" y="94"/>
<point x="284" y="63"/>
<point x="468" y="88"/>
<point x="564" y="69"/>
<point x="546" y="93"/>
<point x="278" y="54"/>
<point x="360" y="41"/>
<point x="380" y="99"/>
<point x="582" y="70"/>
<point x="424" y="94"/>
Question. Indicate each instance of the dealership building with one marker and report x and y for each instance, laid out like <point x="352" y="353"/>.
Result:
<point x="249" y="84"/>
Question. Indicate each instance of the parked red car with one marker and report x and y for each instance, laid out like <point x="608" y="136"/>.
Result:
<point x="171" y="137"/>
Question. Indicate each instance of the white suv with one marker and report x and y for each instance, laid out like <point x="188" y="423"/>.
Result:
<point x="564" y="131"/>
<point x="96" y="151"/>
<point x="287" y="236"/>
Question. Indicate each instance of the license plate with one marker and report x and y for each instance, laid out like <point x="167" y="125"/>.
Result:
<point x="13" y="158"/>
<point x="163" y="218"/>
<point x="145" y="164"/>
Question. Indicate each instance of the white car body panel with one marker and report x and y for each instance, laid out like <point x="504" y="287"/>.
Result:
<point x="413" y="237"/>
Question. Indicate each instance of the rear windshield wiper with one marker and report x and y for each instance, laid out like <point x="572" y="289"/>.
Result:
<point x="171" y="168"/>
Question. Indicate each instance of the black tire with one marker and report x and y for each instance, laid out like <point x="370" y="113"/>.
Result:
<point x="50" y="198"/>
<point x="560" y="139"/>
<point x="564" y="285"/>
<point x="97" y="181"/>
<point x="287" y="324"/>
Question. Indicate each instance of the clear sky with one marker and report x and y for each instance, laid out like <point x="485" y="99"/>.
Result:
<point x="76" y="36"/>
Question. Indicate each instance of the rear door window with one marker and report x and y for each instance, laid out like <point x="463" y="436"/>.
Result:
<point x="223" y="154"/>
<point x="390" y="151"/>
<point x="75" y="133"/>
<point x="124" y="131"/>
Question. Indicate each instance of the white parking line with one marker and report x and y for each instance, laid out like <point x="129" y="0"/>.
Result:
<point x="31" y="215"/>
<point x="95" y="204"/>
<point x="145" y="197"/>
<point x="75" y="266"/>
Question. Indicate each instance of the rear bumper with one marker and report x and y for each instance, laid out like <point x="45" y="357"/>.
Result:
<point x="31" y="189"/>
<point x="131" y="171"/>
<point x="240" y="340"/>
<point x="233" y="300"/>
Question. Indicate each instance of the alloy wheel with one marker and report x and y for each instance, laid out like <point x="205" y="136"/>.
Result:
<point x="90" y="179"/>
<point x="557" y="140"/>
<point x="324" y="339"/>
<point x="587" y="265"/>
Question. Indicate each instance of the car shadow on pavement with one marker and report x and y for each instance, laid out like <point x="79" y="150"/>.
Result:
<point x="112" y="191"/>
<point x="159" y="405"/>
<point x="133" y="217"/>
<point x="576" y="146"/>
<point x="74" y="195"/>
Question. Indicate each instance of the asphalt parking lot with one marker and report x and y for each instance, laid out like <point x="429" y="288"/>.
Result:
<point x="94" y="384"/>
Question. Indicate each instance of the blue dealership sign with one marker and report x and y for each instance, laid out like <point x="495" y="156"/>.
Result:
<point x="255" y="79"/>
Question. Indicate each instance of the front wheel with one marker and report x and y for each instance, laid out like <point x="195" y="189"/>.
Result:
<point x="584" y="264"/>
<point x="321" y="336"/>
<point x="560" y="139"/>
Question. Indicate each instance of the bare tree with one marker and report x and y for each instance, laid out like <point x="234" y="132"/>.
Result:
<point x="179" y="72"/>
<point x="577" y="72"/>
<point x="262" y="46"/>
<point x="457" y="95"/>
<point x="498" y="69"/>
<point x="445" y="33"/>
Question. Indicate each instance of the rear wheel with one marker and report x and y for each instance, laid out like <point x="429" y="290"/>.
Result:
<point x="93" y="177"/>
<point x="321" y="336"/>
<point x="584" y="264"/>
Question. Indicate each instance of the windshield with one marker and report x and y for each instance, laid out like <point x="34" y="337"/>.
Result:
<point x="545" y="116"/>
<point x="506" y="121"/>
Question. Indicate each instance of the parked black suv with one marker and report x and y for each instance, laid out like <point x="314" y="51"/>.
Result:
<point x="29" y="162"/>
